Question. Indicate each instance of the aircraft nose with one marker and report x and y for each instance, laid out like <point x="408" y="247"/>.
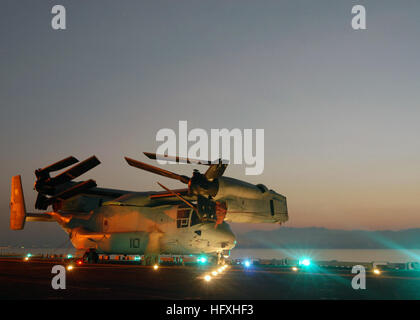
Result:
<point x="226" y="236"/>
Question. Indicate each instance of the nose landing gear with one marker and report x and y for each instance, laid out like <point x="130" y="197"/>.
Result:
<point x="91" y="256"/>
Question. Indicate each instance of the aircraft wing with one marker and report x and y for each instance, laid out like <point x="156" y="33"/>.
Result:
<point x="166" y="194"/>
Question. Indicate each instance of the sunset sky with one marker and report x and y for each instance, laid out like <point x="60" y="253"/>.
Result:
<point x="340" y="108"/>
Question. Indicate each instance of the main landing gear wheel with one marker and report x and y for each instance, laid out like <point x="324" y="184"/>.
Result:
<point x="150" y="259"/>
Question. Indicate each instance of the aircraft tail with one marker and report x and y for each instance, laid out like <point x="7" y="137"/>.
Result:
<point x="17" y="205"/>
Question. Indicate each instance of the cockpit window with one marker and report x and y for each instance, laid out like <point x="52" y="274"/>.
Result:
<point x="186" y="216"/>
<point x="182" y="217"/>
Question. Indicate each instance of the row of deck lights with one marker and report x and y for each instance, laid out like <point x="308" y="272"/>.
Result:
<point x="303" y="263"/>
<point x="215" y="273"/>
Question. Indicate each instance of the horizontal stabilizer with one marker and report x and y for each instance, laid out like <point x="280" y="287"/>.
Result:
<point x="39" y="217"/>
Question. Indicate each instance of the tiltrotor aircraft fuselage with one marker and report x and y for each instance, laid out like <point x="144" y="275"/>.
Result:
<point x="178" y="222"/>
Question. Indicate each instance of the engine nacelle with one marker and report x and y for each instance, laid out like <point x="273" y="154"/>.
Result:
<point x="248" y="203"/>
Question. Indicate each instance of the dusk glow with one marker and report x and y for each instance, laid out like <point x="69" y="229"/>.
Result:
<point x="340" y="108"/>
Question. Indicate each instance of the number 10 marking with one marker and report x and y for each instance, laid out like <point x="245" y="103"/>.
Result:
<point x="135" y="243"/>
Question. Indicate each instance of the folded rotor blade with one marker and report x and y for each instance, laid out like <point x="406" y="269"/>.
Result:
<point x="41" y="202"/>
<point x="159" y="171"/>
<point x="56" y="166"/>
<point x="73" y="191"/>
<point x="215" y="171"/>
<point x="75" y="171"/>
<point x="183" y="200"/>
<point x="217" y="168"/>
<point x="155" y="156"/>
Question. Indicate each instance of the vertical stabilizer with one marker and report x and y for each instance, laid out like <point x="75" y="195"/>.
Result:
<point x="17" y="205"/>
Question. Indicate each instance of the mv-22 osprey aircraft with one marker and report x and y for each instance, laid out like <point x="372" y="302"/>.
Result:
<point x="190" y="221"/>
